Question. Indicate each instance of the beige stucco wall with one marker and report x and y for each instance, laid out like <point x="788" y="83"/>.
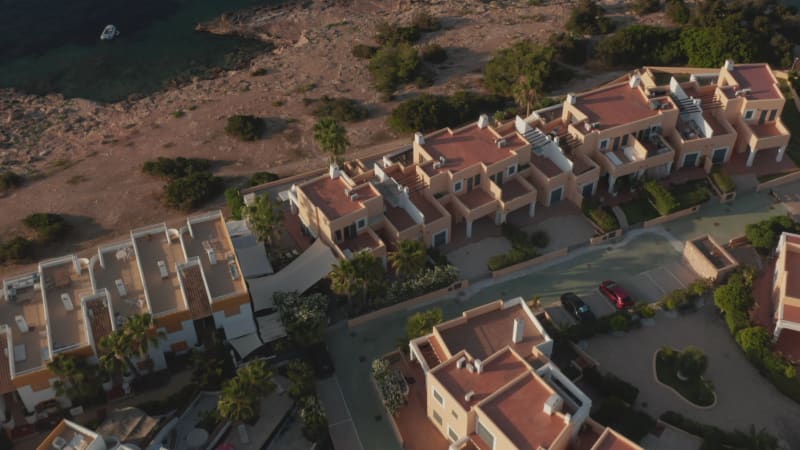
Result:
<point x="459" y="421"/>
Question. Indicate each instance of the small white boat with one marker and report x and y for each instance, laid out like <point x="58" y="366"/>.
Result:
<point x="109" y="33"/>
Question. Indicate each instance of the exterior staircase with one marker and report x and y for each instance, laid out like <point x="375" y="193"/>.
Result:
<point x="710" y="101"/>
<point x="687" y="106"/>
<point x="536" y="138"/>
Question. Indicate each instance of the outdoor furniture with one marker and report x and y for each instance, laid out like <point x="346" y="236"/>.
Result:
<point x="19" y="353"/>
<point x="162" y="268"/>
<point x="67" y="301"/>
<point x="121" y="287"/>
<point x="21" y="324"/>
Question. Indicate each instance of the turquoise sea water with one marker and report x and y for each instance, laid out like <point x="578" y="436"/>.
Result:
<point x="54" y="45"/>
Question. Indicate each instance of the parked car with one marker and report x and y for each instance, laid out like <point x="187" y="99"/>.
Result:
<point x="616" y="294"/>
<point x="577" y="308"/>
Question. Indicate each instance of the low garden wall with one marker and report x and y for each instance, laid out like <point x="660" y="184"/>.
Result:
<point x="671" y="217"/>
<point x="411" y="303"/>
<point x="603" y="238"/>
<point x="724" y="197"/>
<point x="531" y="262"/>
<point x="374" y="384"/>
<point x="794" y="176"/>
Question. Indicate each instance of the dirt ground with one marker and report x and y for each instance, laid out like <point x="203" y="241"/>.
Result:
<point x="86" y="158"/>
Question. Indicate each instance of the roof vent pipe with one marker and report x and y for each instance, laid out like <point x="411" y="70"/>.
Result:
<point x="571" y="98"/>
<point x="729" y="66"/>
<point x="419" y="138"/>
<point x="478" y="365"/>
<point x="635" y="80"/>
<point x="483" y="121"/>
<point x="333" y="171"/>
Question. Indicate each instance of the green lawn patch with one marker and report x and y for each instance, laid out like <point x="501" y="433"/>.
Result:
<point x="723" y="181"/>
<point x="691" y="193"/>
<point x="695" y="389"/>
<point x="638" y="210"/>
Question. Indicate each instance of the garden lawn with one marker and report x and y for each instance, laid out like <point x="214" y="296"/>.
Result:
<point x="691" y="193"/>
<point x="639" y="210"/>
<point x="697" y="390"/>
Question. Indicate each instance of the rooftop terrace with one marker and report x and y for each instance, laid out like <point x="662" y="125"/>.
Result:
<point x="63" y="289"/>
<point x="210" y="244"/>
<point x="158" y="257"/>
<point x="24" y="315"/>
<point x="119" y="274"/>
<point x="331" y="196"/>
<point x="428" y="209"/>
<point x="758" y="78"/>
<point x="616" y="105"/>
<point x="469" y="146"/>
<point x="518" y="412"/>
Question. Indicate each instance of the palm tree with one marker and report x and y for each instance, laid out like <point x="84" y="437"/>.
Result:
<point x="265" y="218"/>
<point x="142" y="334"/>
<point x="78" y="379"/>
<point x="117" y="349"/>
<point x="409" y="259"/>
<point x="134" y="338"/>
<point x="240" y="399"/>
<point x="364" y="273"/>
<point x="331" y="137"/>
<point x="525" y="92"/>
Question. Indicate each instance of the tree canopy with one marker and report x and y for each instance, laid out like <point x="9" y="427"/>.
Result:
<point x="265" y="218"/>
<point x="303" y="316"/>
<point x="421" y="323"/>
<point x="392" y="66"/>
<point x="331" y="137"/>
<point x="524" y="60"/>
<point x="409" y="258"/>
<point x="764" y="235"/>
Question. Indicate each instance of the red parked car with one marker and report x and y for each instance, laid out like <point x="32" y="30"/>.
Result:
<point x="616" y="294"/>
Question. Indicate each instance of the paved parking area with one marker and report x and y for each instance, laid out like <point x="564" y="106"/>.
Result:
<point x="651" y="285"/>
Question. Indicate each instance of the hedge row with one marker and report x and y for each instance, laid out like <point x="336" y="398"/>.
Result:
<point x="523" y="247"/>
<point x="663" y="200"/>
<point x="723" y="181"/>
<point x="715" y="438"/>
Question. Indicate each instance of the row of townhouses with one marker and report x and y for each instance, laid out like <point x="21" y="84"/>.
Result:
<point x="654" y="122"/>
<point x="187" y="278"/>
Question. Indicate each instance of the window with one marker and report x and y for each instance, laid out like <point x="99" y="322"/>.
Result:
<point x="437" y="417"/>
<point x="361" y="223"/>
<point x="616" y="143"/>
<point x="338" y="235"/>
<point x="772" y="114"/>
<point x="749" y="114"/>
<point x="455" y="415"/>
<point x="485" y="434"/>
<point x="625" y="140"/>
<point x="512" y="169"/>
<point x="458" y="185"/>
<point x="438" y="397"/>
<point x="478" y="180"/>
<point x="604" y="144"/>
<point x="440" y="238"/>
<point x="452" y="434"/>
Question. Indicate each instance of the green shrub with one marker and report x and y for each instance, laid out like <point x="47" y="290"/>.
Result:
<point x="569" y="48"/>
<point x="674" y="299"/>
<point x="540" y="239"/>
<point x="639" y="45"/>
<point x="342" y="109"/>
<point x="589" y="18"/>
<point x="421" y="323"/>
<point x="692" y="363"/>
<point x="600" y="215"/>
<point x="715" y="438"/>
<point x="172" y="168"/>
<point x="764" y="235"/>
<point x="191" y="191"/>
<point x="387" y="34"/>
<point x="178" y="114"/>
<point x="433" y="53"/>
<point x="245" y="128"/>
<point x="233" y="197"/>
<point x="258" y="72"/>
<point x="609" y="385"/>
<point x="646" y="310"/>
<point x="18" y="249"/>
<point x="261" y="178"/>
<point x="525" y="59"/>
<point x="439" y="277"/>
<point x="10" y="180"/>
<point x="723" y="181"/>
<point x="392" y="66"/>
<point x="678" y="11"/>
<point x="642" y="7"/>
<point x="515" y="256"/>
<point x="663" y="200"/>
<point x="619" y="323"/>
<point x="615" y="413"/>
<point x="432" y="112"/>
<point x="363" y="51"/>
<point x="49" y="227"/>
<point x="425" y="22"/>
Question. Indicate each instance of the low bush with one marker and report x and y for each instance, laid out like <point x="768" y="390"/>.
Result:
<point x="390" y="385"/>
<point x="430" y="280"/>
<point x="522" y="60"/>
<point x="764" y="235"/>
<point x="663" y="200"/>
<point x="432" y="112"/>
<point x="191" y="191"/>
<point x="639" y="45"/>
<point x="723" y="181"/>
<point x="261" y="178"/>
<point x="645" y="310"/>
<point x="172" y="168"/>
<point x="425" y="21"/>
<point x="715" y="438"/>
<point x="691" y="193"/>
<point x="569" y="48"/>
<point x="609" y="385"/>
<point x="678" y="11"/>
<point x="235" y="202"/>
<point x="522" y="248"/>
<point x="363" y="51"/>
<point x="258" y="72"/>
<point x="388" y="34"/>
<point x="393" y="66"/>
<point x="10" y="180"/>
<point x="615" y="413"/>
<point x="600" y="215"/>
<point x="642" y="7"/>
<point x="49" y="227"/>
<point x="245" y="128"/>
<point x="16" y="250"/>
<point x="589" y="18"/>
<point x="540" y="239"/>
<point x="433" y="53"/>
<point x="340" y="108"/>
<point x="602" y="325"/>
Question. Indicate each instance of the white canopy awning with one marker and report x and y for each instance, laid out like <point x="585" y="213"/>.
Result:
<point x="314" y="264"/>
<point x="252" y="256"/>
<point x="244" y="345"/>
<point x="270" y="327"/>
<point x="240" y="330"/>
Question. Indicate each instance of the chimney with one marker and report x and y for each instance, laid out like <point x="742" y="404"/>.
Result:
<point x="571" y="98"/>
<point x="478" y="365"/>
<point x="501" y="143"/>
<point x="519" y="331"/>
<point x="468" y="396"/>
<point x="483" y="121"/>
<point x="635" y="80"/>
<point x="729" y="66"/>
<point x="419" y="138"/>
<point x="333" y="171"/>
<point x="470" y="368"/>
<point x="460" y="363"/>
<point x="552" y="404"/>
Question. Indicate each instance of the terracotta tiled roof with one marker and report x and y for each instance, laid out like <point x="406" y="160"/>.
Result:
<point x="329" y="195"/>
<point x="615" y="105"/>
<point x="196" y="295"/>
<point x="757" y="78"/>
<point x="99" y="318"/>
<point x="5" y="369"/>
<point x="611" y="440"/>
<point x="470" y="146"/>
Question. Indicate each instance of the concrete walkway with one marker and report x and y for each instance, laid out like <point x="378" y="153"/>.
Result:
<point x="621" y="217"/>
<point x="744" y="397"/>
